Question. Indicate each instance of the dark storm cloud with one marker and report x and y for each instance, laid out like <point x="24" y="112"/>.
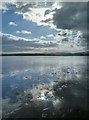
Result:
<point x="71" y="16"/>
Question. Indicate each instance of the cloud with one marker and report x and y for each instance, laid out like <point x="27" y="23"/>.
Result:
<point x="24" y="32"/>
<point x="65" y="15"/>
<point x="12" y="37"/>
<point x="3" y="7"/>
<point x="71" y="16"/>
<point x="65" y="40"/>
<point x="50" y="35"/>
<point x="69" y="19"/>
<point x="42" y="37"/>
<point x="33" y="12"/>
<point x="18" y="31"/>
<point x="37" y="15"/>
<point x="13" y="43"/>
<point x="36" y="12"/>
<point x="12" y="23"/>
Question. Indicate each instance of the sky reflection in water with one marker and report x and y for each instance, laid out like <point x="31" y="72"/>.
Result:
<point x="43" y="86"/>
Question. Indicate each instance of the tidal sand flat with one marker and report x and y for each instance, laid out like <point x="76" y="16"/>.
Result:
<point x="44" y="87"/>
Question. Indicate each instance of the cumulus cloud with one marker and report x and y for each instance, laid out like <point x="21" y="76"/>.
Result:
<point x="12" y="23"/>
<point x="18" y="31"/>
<point x="38" y="12"/>
<point x="50" y="35"/>
<point x="24" y="32"/>
<point x="42" y="37"/>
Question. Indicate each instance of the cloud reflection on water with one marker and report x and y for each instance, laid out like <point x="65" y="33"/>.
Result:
<point x="51" y="87"/>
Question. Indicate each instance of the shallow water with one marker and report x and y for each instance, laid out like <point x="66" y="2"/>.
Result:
<point x="43" y="86"/>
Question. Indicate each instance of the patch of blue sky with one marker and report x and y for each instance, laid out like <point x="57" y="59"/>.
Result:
<point x="36" y="31"/>
<point x="73" y="34"/>
<point x="7" y="17"/>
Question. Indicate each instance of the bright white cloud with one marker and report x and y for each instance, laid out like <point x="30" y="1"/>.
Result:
<point x="36" y="13"/>
<point x="12" y="23"/>
<point x="12" y="37"/>
<point x="58" y="37"/>
<point x="50" y="35"/>
<point x="42" y="37"/>
<point x="24" y="32"/>
<point x="56" y="6"/>
<point x="18" y="31"/>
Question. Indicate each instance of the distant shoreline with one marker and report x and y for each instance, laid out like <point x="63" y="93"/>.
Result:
<point x="45" y="54"/>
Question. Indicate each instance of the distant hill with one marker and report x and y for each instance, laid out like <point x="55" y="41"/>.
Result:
<point x="45" y="54"/>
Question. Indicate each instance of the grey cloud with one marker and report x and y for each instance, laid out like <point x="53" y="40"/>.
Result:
<point x="11" y="45"/>
<point x="71" y="16"/>
<point x="64" y="34"/>
<point x="25" y="7"/>
<point x="65" y="40"/>
<point x="47" y="12"/>
<point x="46" y="21"/>
<point x="21" y="7"/>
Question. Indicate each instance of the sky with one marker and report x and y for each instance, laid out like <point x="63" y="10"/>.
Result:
<point x="44" y="27"/>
